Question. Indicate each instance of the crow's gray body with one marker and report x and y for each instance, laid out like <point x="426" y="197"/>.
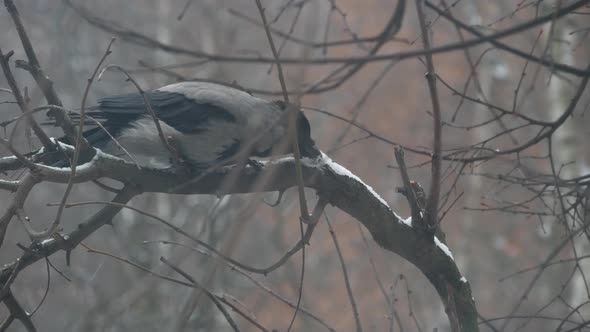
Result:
<point x="208" y="123"/>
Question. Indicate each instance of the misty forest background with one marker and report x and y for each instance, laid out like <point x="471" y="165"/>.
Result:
<point x="497" y="219"/>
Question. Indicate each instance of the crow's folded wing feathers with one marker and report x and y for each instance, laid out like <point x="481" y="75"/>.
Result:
<point x="176" y="110"/>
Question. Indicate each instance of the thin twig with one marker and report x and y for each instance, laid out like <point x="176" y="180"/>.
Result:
<point x="47" y="286"/>
<point x="145" y="41"/>
<point x="410" y="307"/>
<point x="8" y="185"/>
<point x="6" y="323"/>
<point x="431" y="210"/>
<point x="191" y="283"/>
<point x="318" y="210"/>
<point x="10" y="147"/>
<point x="6" y="286"/>
<point x="408" y="191"/>
<point x="388" y="302"/>
<point x="247" y="317"/>
<point x="166" y="141"/>
<point x="357" y="320"/>
<point x="249" y="277"/>
<point x="184" y="9"/>
<point x="301" y="277"/>
<point x="293" y="114"/>
<point x="18" y="201"/>
<point x="24" y="107"/>
<point x="34" y="67"/>
<point x="79" y="146"/>
<point x="209" y="294"/>
<point x="323" y="44"/>
<point x="17" y="311"/>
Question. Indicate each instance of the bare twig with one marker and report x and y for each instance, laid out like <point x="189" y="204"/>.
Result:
<point x="301" y="277"/>
<point x="431" y="210"/>
<point x="357" y="320"/>
<point x="8" y="185"/>
<point x="389" y="302"/>
<point x="6" y="323"/>
<point x="323" y="44"/>
<point x="318" y="210"/>
<point x="168" y="142"/>
<point x="293" y="115"/>
<point x="408" y="191"/>
<point x="140" y="39"/>
<point x="35" y="68"/>
<point x="8" y="283"/>
<point x="247" y="275"/>
<point x="24" y="107"/>
<point x="39" y="75"/>
<point x="191" y="283"/>
<point x="209" y="294"/>
<point x="17" y="311"/>
<point x="8" y="146"/>
<point x="80" y="147"/>
<point x="546" y="62"/>
<point x="113" y="139"/>
<point x="18" y="202"/>
<point x="410" y="307"/>
<point x="184" y="9"/>
<point x="47" y="285"/>
<point x="66" y="243"/>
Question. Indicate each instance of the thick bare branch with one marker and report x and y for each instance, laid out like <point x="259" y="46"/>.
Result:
<point x="34" y="67"/>
<point x="333" y="183"/>
<point x="23" y="105"/>
<point x="17" y="311"/>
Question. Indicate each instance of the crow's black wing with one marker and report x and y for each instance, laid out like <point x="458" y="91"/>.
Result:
<point x="117" y="113"/>
<point x="175" y="109"/>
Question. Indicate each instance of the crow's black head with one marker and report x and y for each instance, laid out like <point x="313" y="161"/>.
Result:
<point x="307" y="146"/>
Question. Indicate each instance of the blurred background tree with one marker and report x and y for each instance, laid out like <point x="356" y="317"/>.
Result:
<point x="508" y="201"/>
